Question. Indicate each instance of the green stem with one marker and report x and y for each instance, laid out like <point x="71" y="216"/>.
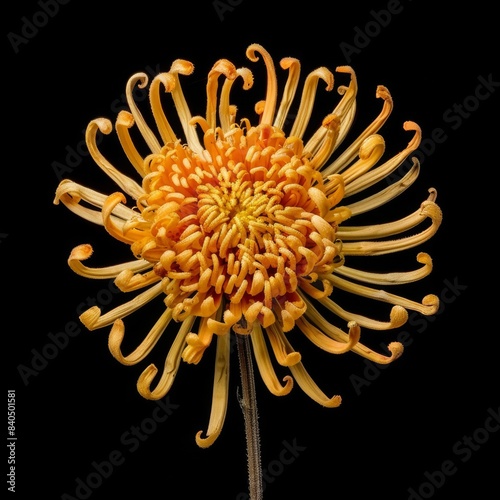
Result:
<point x="248" y="403"/>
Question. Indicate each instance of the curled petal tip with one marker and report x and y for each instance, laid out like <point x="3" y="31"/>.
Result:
<point x="144" y="382"/>
<point x="399" y="316"/>
<point x="81" y="252"/>
<point x="396" y="349"/>
<point x="205" y="442"/>
<point x="333" y="402"/>
<point x="90" y="317"/>
<point x="431" y="302"/>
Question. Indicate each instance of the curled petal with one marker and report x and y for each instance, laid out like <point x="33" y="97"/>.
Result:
<point x="384" y="170"/>
<point x="310" y="387"/>
<point x="198" y="343"/>
<point x="350" y="152"/>
<point x="387" y="194"/>
<point x="72" y="195"/>
<point x="182" y="67"/>
<point x="284" y="353"/>
<point x="394" y="278"/>
<point x="272" y="83"/>
<point x="428" y="209"/>
<point x="147" y="133"/>
<point x="225" y="115"/>
<point x="83" y="252"/>
<point x="124" y="182"/>
<point x="93" y="320"/>
<point x="428" y="306"/>
<point x="219" y="395"/>
<point x="128" y="281"/>
<point x="265" y="366"/>
<point x="395" y="348"/>
<point x="168" y="82"/>
<point x="327" y="343"/>
<point x="124" y="122"/>
<point x="221" y="67"/>
<point x="293" y="65"/>
<point x="307" y="100"/>
<point x="170" y="368"/>
<point x="117" y="334"/>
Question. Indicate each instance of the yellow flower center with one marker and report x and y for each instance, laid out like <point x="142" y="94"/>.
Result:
<point x="242" y="223"/>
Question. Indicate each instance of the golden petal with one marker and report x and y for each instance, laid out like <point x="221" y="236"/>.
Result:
<point x="265" y="366"/>
<point x="172" y="363"/>
<point x="219" y="395"/>
<point x="117" y="334"/>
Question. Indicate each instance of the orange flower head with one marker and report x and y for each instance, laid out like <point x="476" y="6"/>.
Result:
<point x="239" y="227"/>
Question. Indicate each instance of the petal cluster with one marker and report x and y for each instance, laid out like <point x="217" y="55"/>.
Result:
<point x="239" y="225"/>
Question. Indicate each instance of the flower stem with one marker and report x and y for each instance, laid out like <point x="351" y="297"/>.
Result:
<point x="248" y="403"/>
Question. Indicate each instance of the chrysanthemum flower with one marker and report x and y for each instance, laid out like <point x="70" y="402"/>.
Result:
<point x="239" y="227"/>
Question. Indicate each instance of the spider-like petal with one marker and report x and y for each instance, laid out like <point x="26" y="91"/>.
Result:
<point x="219" y="394"/>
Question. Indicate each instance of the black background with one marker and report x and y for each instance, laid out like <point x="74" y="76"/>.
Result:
<point x="391" y="434"/>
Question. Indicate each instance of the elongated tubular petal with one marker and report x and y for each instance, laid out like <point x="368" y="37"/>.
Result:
<point x="389" y="193"/>
<point x="428" y="306"/>
<point x="71" y="194"/>
<point x="125" y="121"/>
<point x="83" y="252"/>
<point x="322" y="151"/>
<point x="346" y="108"/>
<point x="293" y="65"/>
<point x="224" y="103"/>
<point x="198" y="342"/>
<point x="284" y="353"/>
<point x="219" y="394"/>
<point x="350" y="152"/>
<point x="395" y="278"/>
<point x="221" y="67"/>
<point x="170" y="368"/>
<point x="307" y="99"/>
<point x="146" y="132"/>
<point x="265" y="366"/>
<point x="118" y="332"/>
<point x="344" y="112"/>
<point x="370" y="152"/>
<point x="272" y="83"/>
<point x="397" y="318"/>
<point x="115" y="226"/>
<point x="306" y="383"/>
<point x="384" y="170"/>
<point x="182" y="67"/>
<point x="327" y="343"/>
<point x="377" y="231"/>
<point x="164" y="128"/>
<point x="93" y="320"/>
<point x="124" y="182"/>
<point x="128" y="281"/>
<point x="428" y="209"/>
<point x="395" y="348"/>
